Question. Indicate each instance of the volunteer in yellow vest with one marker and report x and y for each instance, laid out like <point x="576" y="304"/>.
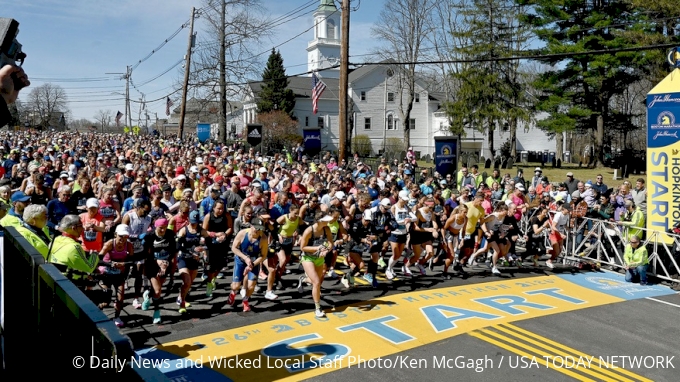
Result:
<point x="4" y="209"/>
<point x="32" y="228"/>
<point x="14" y="217"/>
<point x="633" y="221"/>
<point x="68" y="255"/>
<point x="636" y="260"/>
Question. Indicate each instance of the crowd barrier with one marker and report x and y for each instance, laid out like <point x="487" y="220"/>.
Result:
<point x="50" y="326"/>
<point x="604" y="242"/>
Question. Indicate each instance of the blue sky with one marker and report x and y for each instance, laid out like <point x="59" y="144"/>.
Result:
<point x="73" y="43"/>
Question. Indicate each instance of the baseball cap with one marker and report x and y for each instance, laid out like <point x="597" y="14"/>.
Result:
<point x="368" y="215"/>
<point x="194" y="217"/>
<point x="538" y="169"/>
<point x="257" y="224"/>
<point x="340" y="195"/>
<point x="92" y="202"/>
<point x="123" y="230"/>
<point x="570" y="174"/>
<point x="262" y="170"/>
<point x="20" y="197"/>
<point x="328" y="218"/>
<point x="129" y="167"/>
<point x="519" y="187"/>
<point x="162" y="222"/>
<point x="386" y="202"/>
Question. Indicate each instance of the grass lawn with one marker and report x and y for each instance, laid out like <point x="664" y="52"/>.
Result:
<point x="560" y="174"/>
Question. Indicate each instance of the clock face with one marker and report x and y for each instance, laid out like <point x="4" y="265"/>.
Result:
<point x="332" y="60"/>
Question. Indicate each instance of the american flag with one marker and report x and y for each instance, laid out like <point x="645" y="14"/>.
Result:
<point x="119" y="115"/>
<point x="168" y="105"/>
<point x="317" y="89"/>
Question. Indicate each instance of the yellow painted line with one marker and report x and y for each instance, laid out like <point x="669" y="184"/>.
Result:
<point x="405" y="321"/>
<point x="541" y="342"/>
<point x="565" y="348"/>
<point x="523" y="353"/>
<point x="545" y="351"/>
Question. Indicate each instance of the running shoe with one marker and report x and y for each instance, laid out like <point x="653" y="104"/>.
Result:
<point x="220" y="275"/>
<point x="549" y="264"/>
<point x="381" y="263"/>
<point x="350" y="277"/>
<point x="331" y="274"/>
<point x="146" y="303"/>
<point x="183" y="310"/>
<point x="270" y="295"/>
<point x="136" y="304"/>
<point x="156" y="316"/>
<point x="344" y="281"/>
<point x="232" y="298"/>
<point x="375" y="282"/>
<point x="204" y="276"/>
<point x="389" y="274"/>
<point x="495" y="271"/>
<point x="368" y="277"/>
<point x="119" y="323"/>
<point x="209" y="288"/>
<point x="301" y="284"/>
<point x="422" y="269"/>
<point x="243" y="292"/>
<point x="319" y="313"/>
<point x="246" y="306"/>
<point x="406" y="271"/>
<point x="179" y="302"/>
<point x="430" y="264"/>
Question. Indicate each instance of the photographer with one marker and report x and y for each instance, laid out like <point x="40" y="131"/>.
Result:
<point x="12" y="80"/>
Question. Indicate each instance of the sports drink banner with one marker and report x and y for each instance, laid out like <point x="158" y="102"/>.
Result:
<point x="663" y="155"/>
<point x="254" y="134"/>
<point x="312" y="138"/>
<point x="446" y="155"/>
<point x="203" y="132"/>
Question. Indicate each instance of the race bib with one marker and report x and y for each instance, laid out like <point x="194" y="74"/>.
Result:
<point x="161" y="255"/>
<point x="137" y="246"/>
<point x="287" y="241"/>
<point x="91" y="235"/>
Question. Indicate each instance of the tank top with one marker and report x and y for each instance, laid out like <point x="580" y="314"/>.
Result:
<point x="401" y="214"/>
<point x="191" y="241"/>
<point x="180" y="222"/>
<point x="252" y="250"/>
<point x="114" y="255"/>
<point x="455" y="226"/>
<point x="107" y="210"/>
<point x="138" y="227"/>
<point x="428" y="219"/>
<point x="217" y="224"/>
<point x="289" y="227"/>
<point x="335" y="228"/>
<point x="37" y="198"/>
<point x="358" y="214"/>
<point x="242" y="225"/>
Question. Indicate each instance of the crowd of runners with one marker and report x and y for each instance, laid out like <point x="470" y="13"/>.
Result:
<point x="116" y="210"/>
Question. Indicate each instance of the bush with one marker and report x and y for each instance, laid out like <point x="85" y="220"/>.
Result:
<point x="361" y="144"/>
<point x="393" y="146"/>
<point x="505" y="149"/>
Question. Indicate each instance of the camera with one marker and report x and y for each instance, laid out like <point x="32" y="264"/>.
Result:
<point x="10" y="50"/>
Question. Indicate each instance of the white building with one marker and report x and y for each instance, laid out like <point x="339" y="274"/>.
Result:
<point x="374" y="105"/>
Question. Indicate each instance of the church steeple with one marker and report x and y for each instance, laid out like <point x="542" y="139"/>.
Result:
<point x="323" y="52"/>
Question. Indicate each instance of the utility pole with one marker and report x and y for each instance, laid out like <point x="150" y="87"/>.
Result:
<point x="128" y="111"/>
<point x="187" y="68"/>
<point x="344" y="68"/>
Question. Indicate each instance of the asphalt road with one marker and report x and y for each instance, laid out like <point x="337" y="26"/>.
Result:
<point x="638" y="328"/>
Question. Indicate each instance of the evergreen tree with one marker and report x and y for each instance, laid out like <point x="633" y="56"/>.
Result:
<point x="275" y="94"/>
<point x="490" y="91"/>
<point x="577" y="91"/>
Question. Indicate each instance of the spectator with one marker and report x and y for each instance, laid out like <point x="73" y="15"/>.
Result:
<point x="599" y="186"/>
<point x="633" y="220"/>
<point x="571" y="183"/>
<point x="537" y="178"/>
<point x="640" y="195"/>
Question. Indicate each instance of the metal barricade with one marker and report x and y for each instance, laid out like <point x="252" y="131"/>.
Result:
<point x="50" y="324"/>
<point x="604" y="242"/>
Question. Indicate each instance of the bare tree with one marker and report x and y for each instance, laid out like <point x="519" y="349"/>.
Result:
<point x="49" y="104"/>
<point x="403" y="25"/>
<point x="229" y="53"/>
<point x="103" y="117"/>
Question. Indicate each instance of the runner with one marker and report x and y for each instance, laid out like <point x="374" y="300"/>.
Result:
<point x="250" y="248"/>
<point x="315" y="244"/>
<point x="160" y="248"/>
<point x="193" y="241"/>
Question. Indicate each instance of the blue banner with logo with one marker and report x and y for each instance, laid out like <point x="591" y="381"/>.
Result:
<point x="446" y="155"/>
<point x="203" y="131"/>
<point x="312" y="141"/>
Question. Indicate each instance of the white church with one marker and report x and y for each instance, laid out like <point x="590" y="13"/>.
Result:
<point x="374" y="104"/>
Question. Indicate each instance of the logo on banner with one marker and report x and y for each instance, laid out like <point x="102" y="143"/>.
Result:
<point x="447" y="150"/>
<point x="313" y="137"/>
<point x="254" y="134"/>
<point x="665" y="120"/>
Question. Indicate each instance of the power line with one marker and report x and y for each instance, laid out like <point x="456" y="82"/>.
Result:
<point x="527" y="57"/>
<point x="161" y="45"/>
